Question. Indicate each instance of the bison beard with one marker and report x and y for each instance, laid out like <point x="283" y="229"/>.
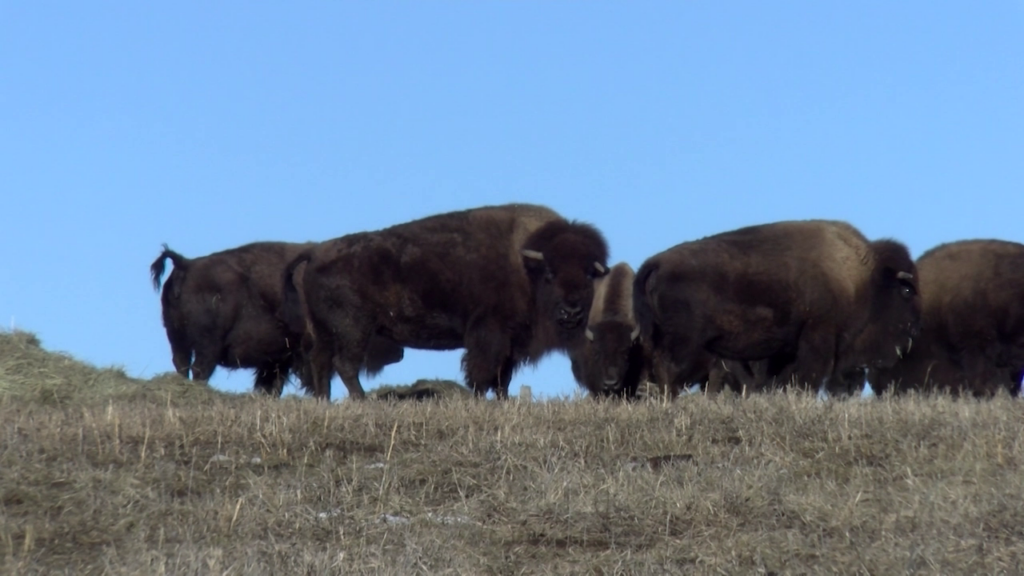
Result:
<point x="814" y="299"/>
<point x="972" y="336"/>
<point x="506" y="283"/>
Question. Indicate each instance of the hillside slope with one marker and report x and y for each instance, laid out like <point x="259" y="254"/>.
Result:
<point x="157" y="477"/>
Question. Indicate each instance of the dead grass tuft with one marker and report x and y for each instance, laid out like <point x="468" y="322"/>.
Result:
<point x="778" y="483"/>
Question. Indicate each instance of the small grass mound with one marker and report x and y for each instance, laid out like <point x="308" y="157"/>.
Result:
<point x="423" y="389"/>
<point x="29" y="373"/>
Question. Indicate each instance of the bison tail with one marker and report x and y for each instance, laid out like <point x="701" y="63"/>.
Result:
<point x="293" y="313"/>
<point x="643" y="284"/>
<point x="156" y="270"/>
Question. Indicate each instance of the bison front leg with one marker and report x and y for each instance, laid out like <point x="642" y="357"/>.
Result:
<point x="815" y="361"/>
<point x="487" y="362"/>
<point x="663" y="374"/>
<point x="846" y="384"/>
<point x="716" y="378"/>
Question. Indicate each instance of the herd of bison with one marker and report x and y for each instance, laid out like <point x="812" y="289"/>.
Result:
<point x="812" y="304"/>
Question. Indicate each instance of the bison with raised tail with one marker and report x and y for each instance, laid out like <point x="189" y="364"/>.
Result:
<point x="813" y="294"/>
<point x="222" y="309"/>
<point x="972" y="337"/>
<point x="610" y="360"/>
<point x="506" y="283"/>
<point x="226" y="309"/>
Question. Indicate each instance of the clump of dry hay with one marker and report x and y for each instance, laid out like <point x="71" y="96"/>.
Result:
<point x="30" y="373"/>
<point x="423" y="389"/>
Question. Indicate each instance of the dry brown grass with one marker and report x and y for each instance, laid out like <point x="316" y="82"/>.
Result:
<point x="158" y="483"/>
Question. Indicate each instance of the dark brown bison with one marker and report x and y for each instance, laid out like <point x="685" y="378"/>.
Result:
<point x="972" y="337"/>
<point x="506" y="283"/>
<point x="813" y="294"/>
<point x="225" y="309"/>
<point x="610" y="359"/>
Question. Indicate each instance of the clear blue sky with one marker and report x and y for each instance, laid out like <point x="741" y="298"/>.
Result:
<point x="210" y="125"/>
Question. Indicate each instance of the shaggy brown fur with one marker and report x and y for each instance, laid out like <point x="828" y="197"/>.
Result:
<point x="972" y="338"/>
<point x="226" y="309"/>
<point x="814" y="296"/>
<point x="222" y="309"/>
<point x="506" y="283"/>
<point x="380" y="352"/>
<point x="610" y="359"/>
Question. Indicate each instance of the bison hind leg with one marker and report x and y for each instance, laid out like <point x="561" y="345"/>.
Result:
<point x="181" y="352"/>
<point x="182" y="359"/>
<point x="270" y="380"/>
<point x="203" y="365"/>
<point x="316" y="371"/>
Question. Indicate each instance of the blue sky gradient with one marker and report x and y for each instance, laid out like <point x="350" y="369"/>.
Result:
<point x="210" y="125"/>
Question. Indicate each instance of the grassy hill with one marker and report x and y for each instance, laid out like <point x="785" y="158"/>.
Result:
<point x="102" y="473"/>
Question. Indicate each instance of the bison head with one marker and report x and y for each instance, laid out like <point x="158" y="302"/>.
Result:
<point x="611" y="354"/>
<point x="895" y="307"/>
<point x="563" y="259"/>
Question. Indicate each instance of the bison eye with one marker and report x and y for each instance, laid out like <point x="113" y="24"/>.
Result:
<point x="906" y="290"/>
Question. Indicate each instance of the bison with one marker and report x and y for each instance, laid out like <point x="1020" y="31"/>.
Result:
<point x="506" y="283"/>
<point x="972" y="336"/>
<point x="225" y="309"/>
<point x="610" y="360"/>
<point x="814" y="294"/>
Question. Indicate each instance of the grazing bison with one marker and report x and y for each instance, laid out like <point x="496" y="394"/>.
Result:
<point x="225" y="309"/>
<point x="972" y="336"/>
<point x="610" y="360"/>
<point x="506" y="283"/>
<point x="816" y="294"/>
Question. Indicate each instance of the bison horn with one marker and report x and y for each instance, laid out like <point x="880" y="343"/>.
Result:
<point x="532" y="254"/>
<point x="634" y="333"/>
<point x="904" y="275"/>
<point x="589" y="334"/>
<point x="600" y="268"/>
<point x="910" y="344"/>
